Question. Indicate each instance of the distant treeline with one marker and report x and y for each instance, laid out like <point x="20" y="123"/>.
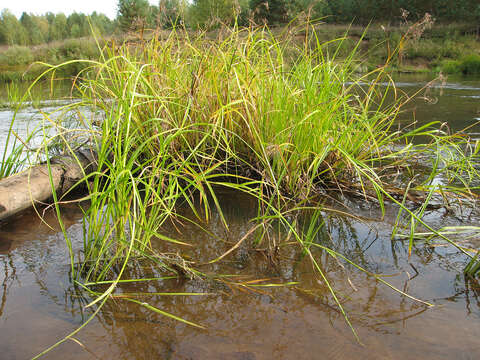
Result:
<point x="31" y="29"/>
<point x="365" y="11"/>
<point x="34" y="30"/>
<point x="207" y="12"/>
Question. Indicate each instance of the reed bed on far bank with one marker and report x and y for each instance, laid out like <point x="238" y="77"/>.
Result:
<point x="277" y="118"/>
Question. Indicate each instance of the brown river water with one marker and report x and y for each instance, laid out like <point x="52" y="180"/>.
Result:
<point x="39" y="305"/>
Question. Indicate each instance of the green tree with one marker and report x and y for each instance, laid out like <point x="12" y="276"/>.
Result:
<point x="35" y="33"/>
<point x="11" y="30"/>
<point x="101" y="23"/>
<point x="78" y="25"/>
<point x="132" y="14"/>
<point x="269" y="11"/>
<point x="152" y="19"/>
<point x="243" y="12"/>
<point x="50" y="17"/>
<point x="42" y="25"/>
<point x="295" y="7"/>
<point x="171" y="12"/>
<point x="58" y="29"/>
<point x="364" y="11"/>
<point x="213" y="12"/>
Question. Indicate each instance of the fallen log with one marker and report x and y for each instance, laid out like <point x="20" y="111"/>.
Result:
<point x="32" y="186"/>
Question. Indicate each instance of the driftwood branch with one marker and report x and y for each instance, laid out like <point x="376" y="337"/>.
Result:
<point x="23" y="190"/>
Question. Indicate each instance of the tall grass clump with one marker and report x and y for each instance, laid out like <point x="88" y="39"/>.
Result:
<point x="280" y="119"/>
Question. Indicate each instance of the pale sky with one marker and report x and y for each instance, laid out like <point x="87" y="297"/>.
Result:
<point x="39" y="7"/>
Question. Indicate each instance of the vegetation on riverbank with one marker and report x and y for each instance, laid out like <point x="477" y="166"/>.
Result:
<point x="21" y="63"/>
<point x="280" y="117"/>
<point x="444" y="45"/>
<point x="467" y="65"/>
<point x="452" y="48"/>
<point x="430" y="49"/>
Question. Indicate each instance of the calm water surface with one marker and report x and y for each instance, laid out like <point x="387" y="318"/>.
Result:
<point x="38" y="304"/>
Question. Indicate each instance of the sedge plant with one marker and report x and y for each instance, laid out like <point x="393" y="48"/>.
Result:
<point x="280" y="119"/>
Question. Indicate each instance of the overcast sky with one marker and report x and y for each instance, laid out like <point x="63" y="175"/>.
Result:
<point x="39" y="7"/>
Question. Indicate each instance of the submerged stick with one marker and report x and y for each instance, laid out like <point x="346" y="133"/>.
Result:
<point x="23" y="190"/>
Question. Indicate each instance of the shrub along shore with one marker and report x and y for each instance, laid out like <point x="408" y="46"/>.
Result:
<point x="24" y="63"/>
<point x="449" y="48"/>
